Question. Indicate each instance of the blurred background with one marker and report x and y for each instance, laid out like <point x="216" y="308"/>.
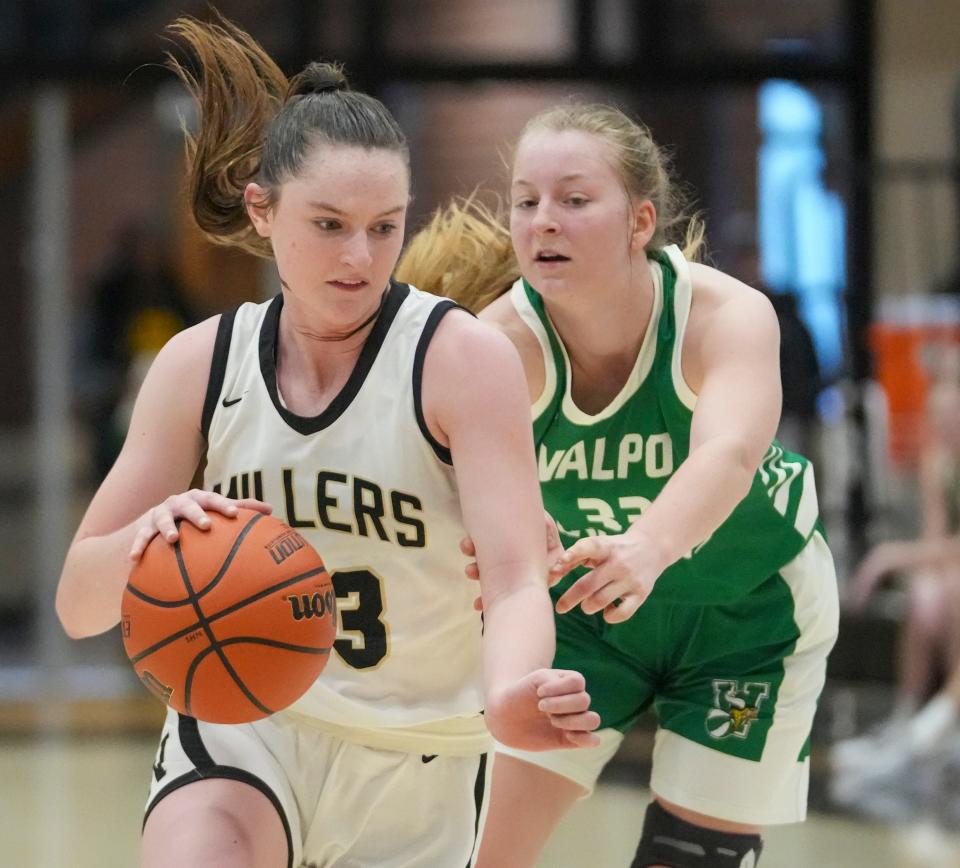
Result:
<point x="821" y="139"/>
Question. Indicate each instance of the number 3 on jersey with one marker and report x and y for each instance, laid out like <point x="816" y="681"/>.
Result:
<point x="362" y="641"/>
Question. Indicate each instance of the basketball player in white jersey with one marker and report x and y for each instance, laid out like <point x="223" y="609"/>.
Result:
<point x="380" y="423"/>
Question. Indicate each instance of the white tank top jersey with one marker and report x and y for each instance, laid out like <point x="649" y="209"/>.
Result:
<point x="369" y="487"/>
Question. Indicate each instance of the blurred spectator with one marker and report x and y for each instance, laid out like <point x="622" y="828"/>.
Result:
<point x="800" y="376"/>
<point x="889" y="770"/>
<point x="799" y="368"/>
<point x="136" y="306"/>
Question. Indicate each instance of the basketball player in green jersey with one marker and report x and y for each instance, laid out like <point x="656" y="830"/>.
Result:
<point x="696" y="581"/>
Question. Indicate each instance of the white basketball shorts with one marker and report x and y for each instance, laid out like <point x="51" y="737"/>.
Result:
<point x="343" y="805"/>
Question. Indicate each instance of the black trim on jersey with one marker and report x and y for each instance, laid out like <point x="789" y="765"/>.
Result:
<point x="395" y="295"/>
<point x="218" y="369"/>
<point x="429" y="327"/>
<point x="479" y="789"/>
<point x="188" y="730"/>
<point x="207" y="769"/>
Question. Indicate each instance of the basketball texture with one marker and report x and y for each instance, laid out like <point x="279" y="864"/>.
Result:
<point x="229" y="624"/>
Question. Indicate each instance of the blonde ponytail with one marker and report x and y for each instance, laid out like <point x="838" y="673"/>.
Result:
<point x="464" y="252"/>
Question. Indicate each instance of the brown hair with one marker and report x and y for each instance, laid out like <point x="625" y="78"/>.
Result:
<point x="464" y="251"/>
<point x="255" y="125"/>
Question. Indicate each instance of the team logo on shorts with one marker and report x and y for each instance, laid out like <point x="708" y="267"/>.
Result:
<point x="736" y="707"/>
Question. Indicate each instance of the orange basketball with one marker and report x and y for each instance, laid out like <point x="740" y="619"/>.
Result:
<point x="232" y="623"/>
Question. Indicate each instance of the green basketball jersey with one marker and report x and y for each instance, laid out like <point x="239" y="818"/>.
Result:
<point x="599" y="472"/>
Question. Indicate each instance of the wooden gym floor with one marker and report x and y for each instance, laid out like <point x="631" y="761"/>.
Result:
<point x="74" y="796"/>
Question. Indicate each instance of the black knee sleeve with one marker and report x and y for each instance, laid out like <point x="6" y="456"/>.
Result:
<point x="668" y="840"/>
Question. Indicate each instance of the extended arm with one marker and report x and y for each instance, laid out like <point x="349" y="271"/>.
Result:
<point x="141" y="497"/>
<point x="734" y="422"/>
<point x="475" y="397"/>
<point x="736" y="355"/>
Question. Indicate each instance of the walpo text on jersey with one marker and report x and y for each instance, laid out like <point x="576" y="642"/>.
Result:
<point x="594" y="460"/>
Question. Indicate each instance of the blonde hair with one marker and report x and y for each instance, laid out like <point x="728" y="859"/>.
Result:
<point x="465" y="252"/>
<point x="641" y="163"/>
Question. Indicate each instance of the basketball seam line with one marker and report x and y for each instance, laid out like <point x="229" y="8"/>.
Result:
<point x="173" y="604"/>
<point x="227" y="611"/>
<point x="198" y="659"/>
<point x="272" y="643"/>
<point x="205" y="625"/>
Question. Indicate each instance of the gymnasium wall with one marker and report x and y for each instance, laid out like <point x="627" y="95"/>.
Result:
<point x="917" y="135"/>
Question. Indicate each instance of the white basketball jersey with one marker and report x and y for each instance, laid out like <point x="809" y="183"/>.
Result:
<point x="375" y="494"/>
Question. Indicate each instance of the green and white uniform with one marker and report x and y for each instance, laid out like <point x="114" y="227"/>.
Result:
<point x="730" y="648"/>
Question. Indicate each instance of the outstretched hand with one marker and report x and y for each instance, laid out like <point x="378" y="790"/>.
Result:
<point x="545" y="710"/>
<point x="623" y="570"/>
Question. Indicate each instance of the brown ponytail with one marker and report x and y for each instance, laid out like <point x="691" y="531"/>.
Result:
<point x="255" y="125"/>
<point x="317" y="78"/>
<point x="237" y="91"/>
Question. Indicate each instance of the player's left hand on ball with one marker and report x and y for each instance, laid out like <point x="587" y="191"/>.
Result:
<point x="623" y="572"/>
<point x="191" y="506"/>
<point x="546" y="710"/>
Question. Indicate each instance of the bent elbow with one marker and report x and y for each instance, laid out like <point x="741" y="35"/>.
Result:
<point x="497" y="727"/>
<point x="73" y="632"/>
<point x="72" y="625"/>
<point x="744" y="459"/>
